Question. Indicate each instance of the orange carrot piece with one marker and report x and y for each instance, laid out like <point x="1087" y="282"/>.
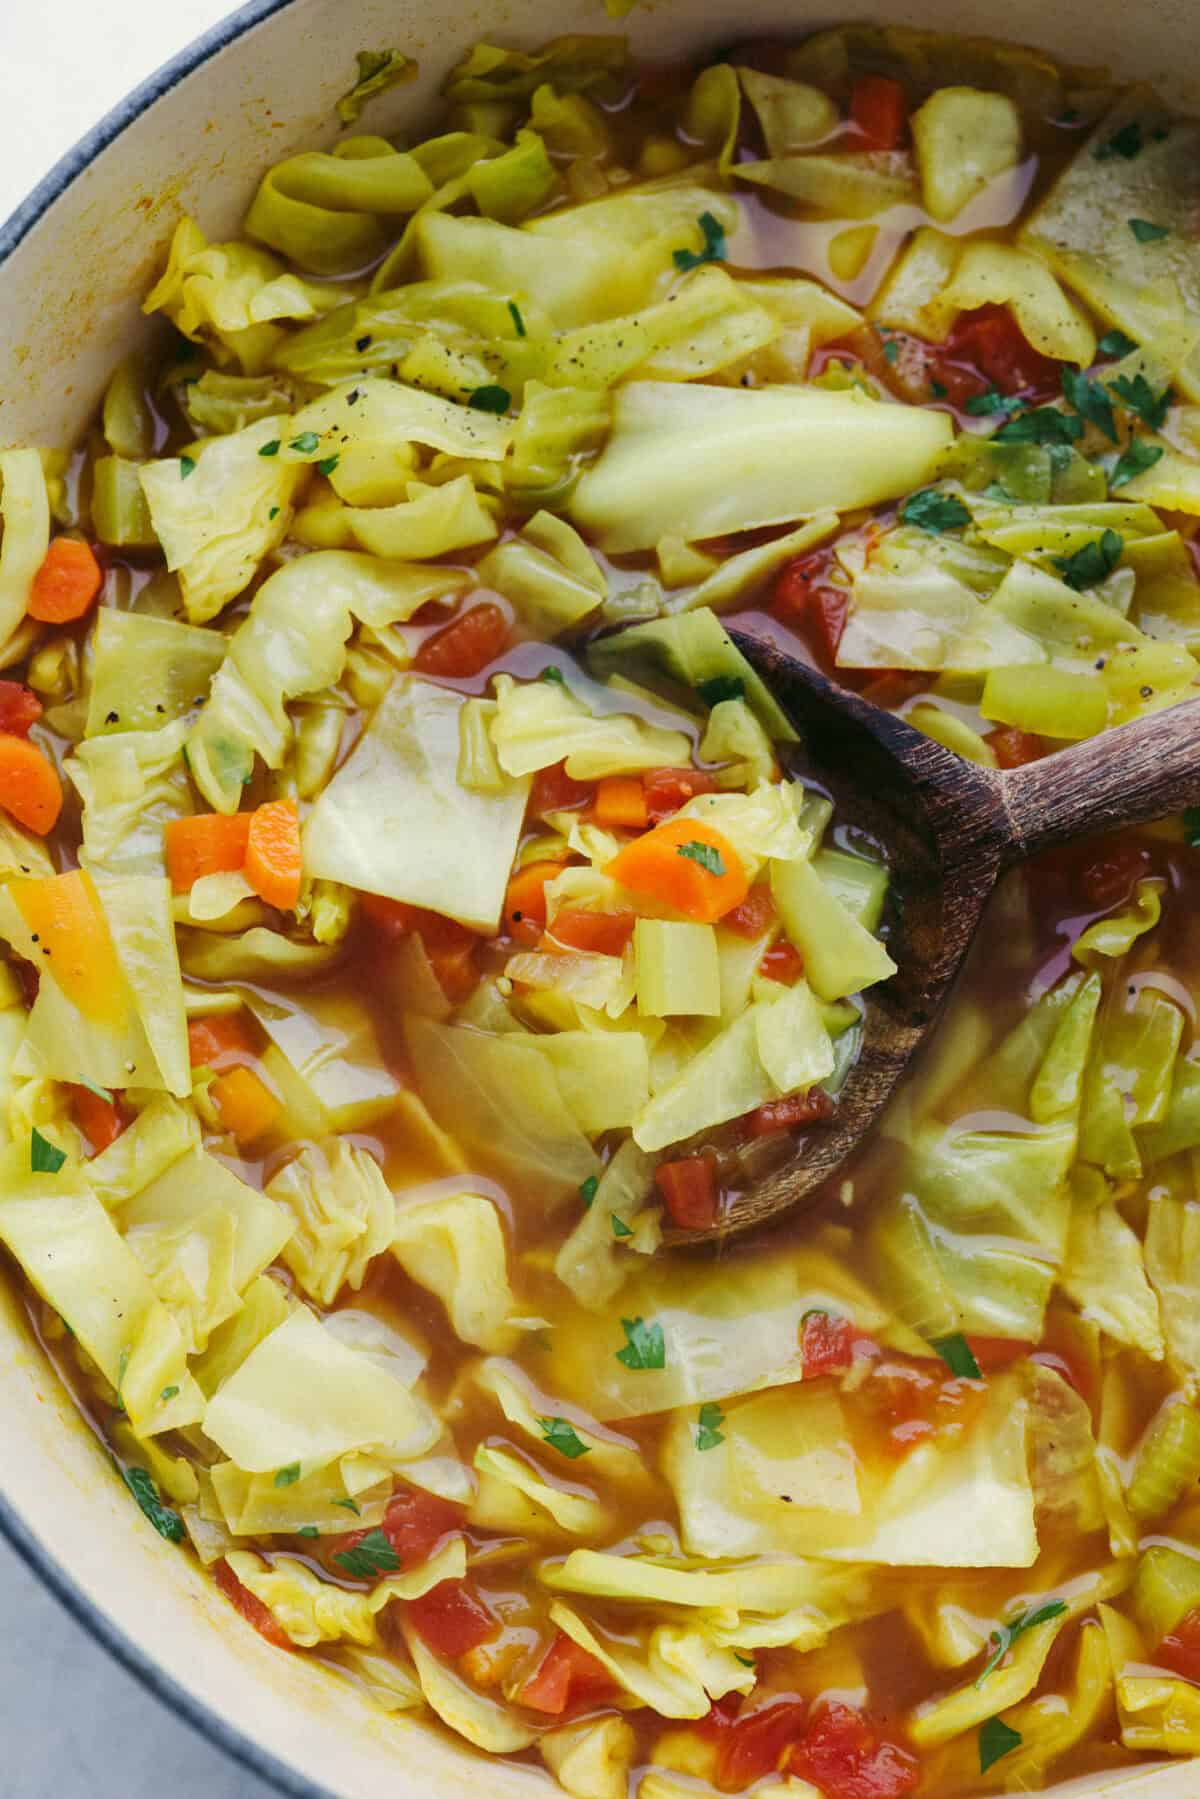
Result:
<point x="64" y="914"/>
<point x="246" y="1104"/>
<point x="30" y="790"/>
<point x="219" y="1042"/>
<point x="621" y="801"/>
<point x="66" y="584"/>
<point x="686" y="865"/>
<point x="274" y="863"/>
<point x="208" y="844"/>
<point x="525" y="901"/>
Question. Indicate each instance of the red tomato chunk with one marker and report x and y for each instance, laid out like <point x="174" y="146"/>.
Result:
<point x="19" y="708"/>
<point x="795" y="1113"/>
<point x="566" y="1676"/>
<point x="451" y="1618"/>
<point x="466" y="645"/>
<point x="690" y="1191"/>
<point x="826" y="1344"/>
<point x="252" y="1609"/>
<point x="842" y="1754"/>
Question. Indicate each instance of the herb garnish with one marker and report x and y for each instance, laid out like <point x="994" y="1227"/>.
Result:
<point x="1090" y="401"/>
<point x="187" y="466"/>
<point x="1092" y="562"/>
<point x="1044" y="425"/>
<point x="708" y="1426"/>
<point x="1147" y="232"/>
<point x="1115" y="343"/>
<point x="1136" y="459"/>
<point x="517" y="320"/>
<point x="167" y="1523"/>
<point x="327" y="465"/>
<point x="1141" y="399"/>
<point x="1127" y="143"/>
<point x="958" y="1356"/>
<point x="587" y="1189"/>
<point x="369" y="1558"/>
<point x="721" y="687"/>
<point x="564" y="1437"/>
<point x="552" y="672"/>
<point x="714" y="245"/>
<point x="44" y="1157"/>
<point x="996" y="1738"/>
<point x="645" y="1346"/>
<point x="270" y="449"/>
<point x="287" y="1477"/>
<point x="307" y="1530"/>
<point x="490" y="399"/>
<point x="619" y="1226"/>
<point x="704" y="855"/>
<point x="306" y="443"/>
<point x="934" y="511"/>
<point x="982" y="405"/>
<point x="168" y="1393"/>
<point x="1005" y="1635"/>
<point x="1191" y="826"/>
<point x="349" y="1505"/>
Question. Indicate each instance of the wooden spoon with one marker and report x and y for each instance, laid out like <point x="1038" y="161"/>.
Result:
<point x="950" y="829"/>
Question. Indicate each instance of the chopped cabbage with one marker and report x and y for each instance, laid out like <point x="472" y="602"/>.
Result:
<point x="1154" y="1710"/>
<point x="591" y="1759"/>
<point x="313" y="1611"/>
<point x="539" y="723"/>
<point x="840" y="955"/>
<point x="541" y="1505"/>
<point x="25" y="511"/>
<point x="455" y="1247"/>
<point x="342" y="1213"/>
<point x="481" y="1720"/>
<point x="324" y="212"/>
<point x="690" y="650"/>
<point x="130" y="786"/>
<point x="678" y="970"/>
<point x="593" y="1260"/>
<point x="964" y="138"/>
<point x="548" y="573"/>
<point x="1103" y="1273"/>
<point x="147" y="671"/>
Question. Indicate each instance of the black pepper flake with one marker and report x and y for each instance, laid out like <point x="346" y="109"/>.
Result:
<point x="363" y="343"/>
<point x="353" y="397"/>
<point x="112" y="718"/>
<point x="1146" y="692"/>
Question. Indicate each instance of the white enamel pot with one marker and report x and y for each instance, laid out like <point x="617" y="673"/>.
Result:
<point x="75" y="260"/>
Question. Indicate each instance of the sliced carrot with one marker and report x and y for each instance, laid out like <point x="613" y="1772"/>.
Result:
<point x="208" y="844"/>
<point x="621" y="802"/>
<point x="525" y="901"/>
<point x="247" y="1106"/>
<point x="66" y="584"/>
<point x="71" y="934"/>
<point x="100" y="1119"/>
<point x="596" y="933"/>
<point x="686" y="865"/>
<point x="274" y="864"/>
<point x="30" y="790"/>
<point x="219" y="1042"/>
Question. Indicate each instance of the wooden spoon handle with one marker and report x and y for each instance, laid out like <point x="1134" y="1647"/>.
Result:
<point x="1141" y="771"/>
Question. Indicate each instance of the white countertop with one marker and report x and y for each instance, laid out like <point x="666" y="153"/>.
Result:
<point x="73" y="1724"/>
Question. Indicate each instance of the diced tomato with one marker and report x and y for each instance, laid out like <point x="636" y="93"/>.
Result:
<point x="251" y="1608"/>
<point x="783" y="963"/>
<point x="19" y="708"/>
<point x="567" y="1675"/>
<point x="449" y="945"/>
<point x="826" y="1344"/>
<point x="595" y="933"/>
<point x="795" y="1113"/>
<point x="878" y="112"/>
<point x="1180" y="1649"/>
<point x="101" y="1120"/>
<point x="1110" y="879"/>
<point x="891" y="688"/>
<point x="804" y="598"/>
<point x="993" y="1353"/>
<point x="667" y="789"/>
<point x="416" y="1522"/>
<point x="391" y="918"/>
<point x="451" y="1618"/>
<point x="219" y="1042"/>
<point x="754" y="915"/>
<point x="690" y="1191"/>
<point x="466" y="645"/>
<point x="916" y="1400"/>
<point x="758" y="1742"/>
<point x="1013" y="748"/>
<point x="553" y="790"/>
<point x="843" y="1755"/>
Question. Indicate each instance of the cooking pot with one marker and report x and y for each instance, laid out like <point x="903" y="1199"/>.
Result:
<point x="75" y="261"/>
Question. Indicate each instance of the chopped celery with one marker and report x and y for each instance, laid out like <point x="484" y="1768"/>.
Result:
<point x="1165" y="1589"/>
<point x="840" y="955"/>
<point x="678" y="971"/>
<point x="860" y="885"/>
<point x="119" y="510"/>
<point x="1167" y="1462"/>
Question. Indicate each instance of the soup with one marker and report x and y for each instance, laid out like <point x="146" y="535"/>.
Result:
<point x="421" y="926"/>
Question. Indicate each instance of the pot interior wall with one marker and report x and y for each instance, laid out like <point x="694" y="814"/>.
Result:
<point x="71" y="307"/>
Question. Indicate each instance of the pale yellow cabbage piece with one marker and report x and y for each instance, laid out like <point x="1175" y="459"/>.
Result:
<point x="343" y="1216"/>
<point x="545" y="1507"/>
<point x="483" y="1721"/>
<point x="314" y="1611"/>
<point x="591" y="1759"/>
<point x="964" y="138"/>
<point x="539" y="723"/>
<point x="1104" y="1274"/>
<point x="25" y="511"/>
<point x="1155" y="1711"/>
<point x="130" y="786"/>
<point x="593" y="1260"/>
<point x="455" y="1247"/>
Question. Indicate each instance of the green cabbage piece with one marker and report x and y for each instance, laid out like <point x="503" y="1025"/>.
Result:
<point x="394" y="820"/>
<point x="25" y="511"/>
<point x="740" y="576"/>
<point x="342" y="1212"/>
<point x="766" y="1587"/>
<point x="604" y="1078"/>
<point x="557" y="429"/>
<point x="575" y="63"/>
<point x="130" y="787"/>
<point x="455" y="1248"/>
<point x="514" y="1492"/>
<point x="1155" y="1711"/>
<point x="548" y="573"/>
<point x="735" y="739"/>
<point x="596" y="1755"/>
<point x="264" y="1306"/>
<point x="312" y="1611"/>
<point x="539" y="723"/>
<point x="1172" y="1242"/>
<point x="302" y="1396"/>
<point x="593" y="1261"/>
<point x="792" y="114"/>
<point x="689" y="650"/>
<point x="511" y="186"/>
<point x="329" y="1041"/>
<point x="652" y="1674"/>
<point x="666" y="466"/>
<point x="375" y="410"/>
<point x="1104" y="1274"/>
<point x="219" y="403"/>
<point x="483" y="1721"/>
<point x="147" y="671"/>
<point x="840" y="954"/>
<point x="706" y="323"/>
<point x="162" y="1132"/>
<point x="324" y="212"/>
<point x="217" y="519"/>
<point x="1130" y="1078"/>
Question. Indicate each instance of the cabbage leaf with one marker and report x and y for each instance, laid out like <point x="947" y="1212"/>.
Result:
<point x="455" y="1247"/>
<point x="342" y="1213"/>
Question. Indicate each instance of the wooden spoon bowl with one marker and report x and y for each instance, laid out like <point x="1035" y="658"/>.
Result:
<point x="950" y="829"/>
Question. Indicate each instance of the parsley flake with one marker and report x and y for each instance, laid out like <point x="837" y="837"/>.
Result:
<point x="996" y="1738"/>
<point x="1141" y="399"/>
<point x="307" y="1530"/>
<point x="587" y="1189"/>
<point x="1191" y="826"/>
<point x="1137" y="458"/>
<point x="349" y="1505"/>
<point x="1127" y="143"/>
<point x="644" y="1347"/>
<point x="490" y="399"/>
<point x="369" y="1558"/>
<point x="1005" y="1635"/>
<point x="714" y="245"/>
<point x="552" y="672"/>
<point x="704" y="855"/>
<point x="44" y="1157"/>
<point x="1092" y="562"/>
<point x="168" y="1393"/>
<point x="518" y="321"/>
<point x="934" y="512"/>
<point x="747" y="1661"/>
<point x="564" y="1437"/>
<point x="271" y="449"/>
<point x="721" y="687"/>
<point x="306" y="443"/>
<point x="327" y="465"/>
<point x="1147" y="232"/>
<point x="958" y="1356"/>
<point x="100" y="1092"/>
<point x="287" y="1477"/>
<point x="1115" y="343"/>
<point x="167" y="1523"/>
<point x="980" y="406"/>
<point x="1090" y="401"/>
<point x="996" y="490"/>
<point x="619" y="1226"/>
<point x="187" y="466"/>
<point x="708" y="1426"/>
<point x="938" y="389"/>
<point x="1044" y="425"/>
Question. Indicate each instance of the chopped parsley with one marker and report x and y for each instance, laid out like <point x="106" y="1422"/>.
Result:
<point x="271" y="449"/>
<point x="721" y="687"/>
<point x="645" y="1346"/>
<point x="552" y="672"/>
<point x="100" y="1092"/>
<point x="981" y="406"/>
<point x="1191" y="826"/>
<point x="287" y="1477"/>
<point x="996" y="490"/>
<point x="1147" y="232"/>
<point x="187" y="466"/>
<point x="369" y="1558"/>
<point x="168" y="1393"/>
<point x="1090" y="401"/>
<point x="938" y="389"/>
<point x="490" y="399"/>
<point x="1115" y="343"/>
<point x="958" y="1356"/>
<point x="564" y="1437"/>
<point x="167" y="1523"/>
<point x="377" y="70"/>
<point x="714" y="245"/>
<point x="1092" y="562"/>
<point x="349" y="1505"/>
<point x="619" y="1226"/>
<point x="307" y="1530"/>
<point x="306" y="443"/>
<point x="934" y="512"/>
<point x="327" y="465"/>
<point x="587" y="1189"/>
<point x="44" y="1157"/>
<point x="1140" y="398"/>
<point x="518" y="321"/>
<point x="996" y="1738"/>
<point x="1044" y="425"/>
<point x="704" y="855"/>
<point x="747" y="1661"/>
<point x="891" y="349"/>
<point x="1005" y="1635"/>
<point x="708" y="1427"/>
<point x="1135" y="460"/>
<point x="274" y="513"/>
<point x="1127" y="143"/>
